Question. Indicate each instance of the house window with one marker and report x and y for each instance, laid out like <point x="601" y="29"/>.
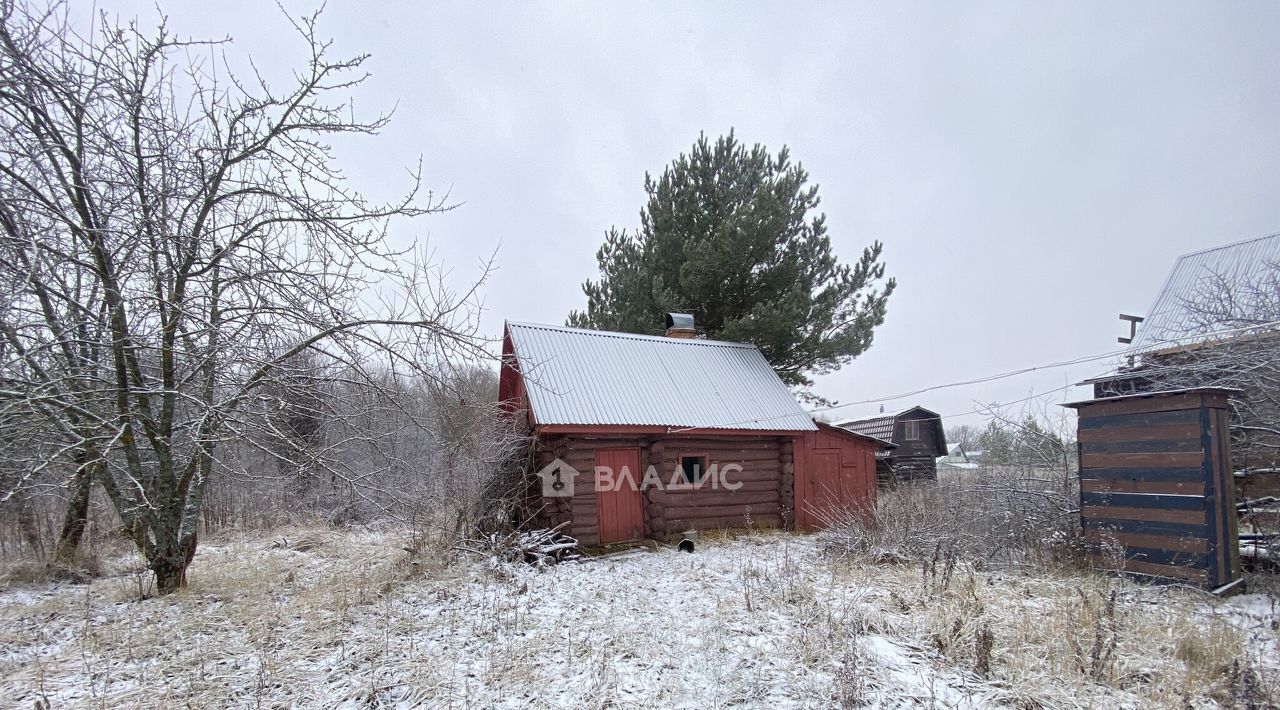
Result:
<point x="693" y="467"/>
<point x="913" y="429"/>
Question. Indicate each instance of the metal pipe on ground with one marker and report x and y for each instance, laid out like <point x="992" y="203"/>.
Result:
<point x="688" y="541"/>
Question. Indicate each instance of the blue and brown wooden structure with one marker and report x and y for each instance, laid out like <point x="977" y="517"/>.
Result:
<point x="1157" y="497"/>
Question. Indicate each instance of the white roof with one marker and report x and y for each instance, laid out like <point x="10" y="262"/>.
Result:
<point x="594" y="377"/>
<point x="1170" y="321"/>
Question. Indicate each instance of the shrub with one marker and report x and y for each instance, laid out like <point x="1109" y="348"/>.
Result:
<point x="996" y="515"/>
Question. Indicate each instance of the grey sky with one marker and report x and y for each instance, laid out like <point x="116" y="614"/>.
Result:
<point x="1032" y="169"/>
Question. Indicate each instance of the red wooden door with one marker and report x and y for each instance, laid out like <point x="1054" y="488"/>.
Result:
<point x="826" y="490"/>
<point x="619" y="503"/>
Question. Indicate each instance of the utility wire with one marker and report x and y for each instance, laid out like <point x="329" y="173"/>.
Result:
<point x="1013" y="373"/>
<point x="975" y="381"/>
<point x="1200" y="338"/>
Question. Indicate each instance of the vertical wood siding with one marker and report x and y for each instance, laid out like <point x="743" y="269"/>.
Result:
<point x="835" y="476"/>
<point x="619" y="505"/>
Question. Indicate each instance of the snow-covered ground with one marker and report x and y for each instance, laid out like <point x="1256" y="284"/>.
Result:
<point x="760" y="620"/>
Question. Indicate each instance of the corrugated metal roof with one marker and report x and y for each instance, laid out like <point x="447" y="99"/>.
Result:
<point x="594" y="377"/>
<point x="879" y="426"/>
<point x="1169" y="321"/>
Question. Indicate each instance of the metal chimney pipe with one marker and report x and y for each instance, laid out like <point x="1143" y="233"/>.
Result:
<point x="680" y="325"/>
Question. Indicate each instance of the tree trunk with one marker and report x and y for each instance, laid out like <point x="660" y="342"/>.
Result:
<point x="170" y="577"/>
<point x="29" y="526"/>
<point x="77" y="515"/>
<point x="170" y="566"/>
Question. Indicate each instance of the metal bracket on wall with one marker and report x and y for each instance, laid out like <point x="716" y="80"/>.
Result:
<point x="1133" y="327"/>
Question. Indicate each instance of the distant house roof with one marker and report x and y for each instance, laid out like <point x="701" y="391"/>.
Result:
<point x="879" y="426"/>
<point x="602" y="378"/>
<point x="884" y="444"/>
<point x="966" y="465"/>
<point x="1169" y="322"/>
<point x="956" y="454"/>
<point x="882" y="426"/>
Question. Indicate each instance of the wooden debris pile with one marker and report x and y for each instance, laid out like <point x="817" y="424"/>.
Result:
<point x="1258" y="511"/>
<point x="540" y="548"/>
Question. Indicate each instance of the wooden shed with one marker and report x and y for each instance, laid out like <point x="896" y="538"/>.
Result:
<point x="1182" y="342"/>
<point x="1156" y="493"/>
<point x="835" y="475"/>
<point x="643" y="436"/>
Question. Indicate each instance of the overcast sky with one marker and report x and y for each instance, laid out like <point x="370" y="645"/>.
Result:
<point x="1033" y="169"/>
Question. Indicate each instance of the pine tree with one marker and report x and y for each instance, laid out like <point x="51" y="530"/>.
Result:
<point x="998" y="444"/>
<point x="730" y="234"/>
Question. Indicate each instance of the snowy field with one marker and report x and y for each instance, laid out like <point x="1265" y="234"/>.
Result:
<point x="762" y="620"/>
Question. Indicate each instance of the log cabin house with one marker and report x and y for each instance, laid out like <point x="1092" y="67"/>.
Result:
<point x="919" y="440"/>
<point x="693" y="434"/>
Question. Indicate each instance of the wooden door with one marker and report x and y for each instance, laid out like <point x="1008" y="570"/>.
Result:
<point x="620" y="505"/>
<point x="826" y="489"/>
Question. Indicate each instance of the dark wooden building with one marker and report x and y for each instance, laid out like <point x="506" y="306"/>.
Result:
<point x="1156" y="495"/>
<point x="647" y="437"/>
<point x="918" y="440"/>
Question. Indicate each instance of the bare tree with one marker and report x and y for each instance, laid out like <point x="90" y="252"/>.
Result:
<point x="1039" y="437"/>
<point x="1226" y="333"/>
<point x="76" y="305"/>
<point x="297" y="394"/>
<point x="1231" y="339"/>
<point x="170" y="236"/>
<point x="966" y="435"/>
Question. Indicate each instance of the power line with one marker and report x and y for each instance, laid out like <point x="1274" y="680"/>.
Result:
<point x="1004" y="375"/>
<point x="974" y="381"/>
<point x="1013" y="373"/>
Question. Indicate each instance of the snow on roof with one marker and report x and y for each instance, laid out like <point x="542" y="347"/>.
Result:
<point x="1169" y="321"/>
<point x="880" y="425"/>
<point x="595" y="377"/>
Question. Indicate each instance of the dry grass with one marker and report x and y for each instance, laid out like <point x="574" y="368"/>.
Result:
<point x="996" y="517"/>
<point x="1054" y="637"/>
<point x="312" y="617"/>
<point x="253" y="606"/>
<point x="988" y="576"/>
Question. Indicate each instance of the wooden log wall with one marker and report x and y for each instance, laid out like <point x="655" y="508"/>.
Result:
<point x="554" y="510"/>
<point x="909" y="469"/>
<point x="766" y="481"/>
<point x="754" y="503"/>
<point x="584" y="511"/>
<point x="655" y="520"/>
<point x="1156" y="495"/>
<point x="885" y="477"/>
